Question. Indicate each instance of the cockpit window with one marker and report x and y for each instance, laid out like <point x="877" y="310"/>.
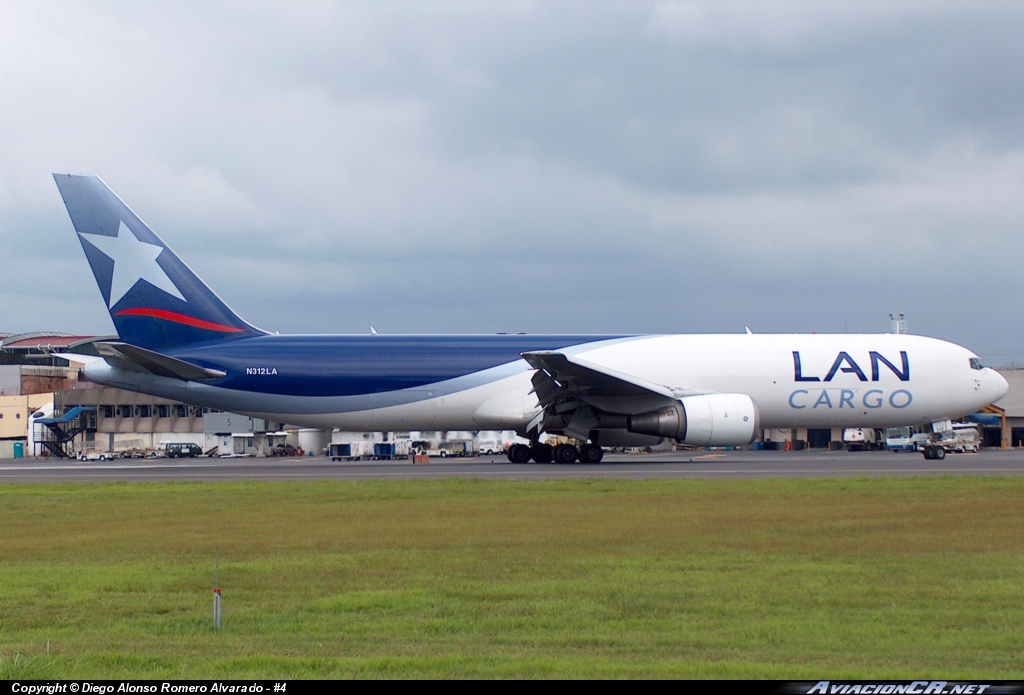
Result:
<point x="976" y="363"/>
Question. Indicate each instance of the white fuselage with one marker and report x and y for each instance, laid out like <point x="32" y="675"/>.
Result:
<point x="795" y="381"/>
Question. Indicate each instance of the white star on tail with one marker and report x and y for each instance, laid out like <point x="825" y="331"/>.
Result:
<point x="134" y="260"/>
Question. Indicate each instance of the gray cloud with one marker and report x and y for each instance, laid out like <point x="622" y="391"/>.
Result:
<point x="543" y="167"/>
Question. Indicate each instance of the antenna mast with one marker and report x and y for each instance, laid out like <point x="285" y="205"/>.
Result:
<point x="899" y="323"/>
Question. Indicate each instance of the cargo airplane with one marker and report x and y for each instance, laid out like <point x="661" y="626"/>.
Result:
<point x="178" y="340"/>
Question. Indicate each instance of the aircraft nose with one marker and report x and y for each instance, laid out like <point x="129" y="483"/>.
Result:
<point x="1002" y="385"/>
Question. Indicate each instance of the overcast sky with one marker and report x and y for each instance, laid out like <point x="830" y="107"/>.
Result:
<point x="588" y="167"/>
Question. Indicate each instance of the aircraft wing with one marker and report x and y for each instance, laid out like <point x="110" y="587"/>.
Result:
<point x="560" y="374"/>
<point x="575" y="395"/>
<point x="134" y="358"/>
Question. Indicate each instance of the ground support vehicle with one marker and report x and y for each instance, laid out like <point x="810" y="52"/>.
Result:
<point x="452" y="449"/>
<point x="961" y="439"/>
<point x="911" y="442"/>
<point x="340" y="452"/>
<point x="920" y="440"/>
<point x="898" y="439"/>
<point x="899" y="443"/>
<point x="489" y="447"/>
<point x="933" y="450"/>
<point x="384" y="451"/>
<point x="138" y="454"/>
<point x="455" y="449"/>
<point x="176" y="450"/>
<point x="94" y="456"/>
<point x="423" y="447"/>
<point x="860" y="438"/>
<point x="350" y="451"/>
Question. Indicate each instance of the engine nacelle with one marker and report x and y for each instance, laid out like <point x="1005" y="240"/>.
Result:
<point x="620" y="437"/>
<point x="715" y="419"/>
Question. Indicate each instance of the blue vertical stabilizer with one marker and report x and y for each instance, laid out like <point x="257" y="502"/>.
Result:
<point x="154" y="299"/>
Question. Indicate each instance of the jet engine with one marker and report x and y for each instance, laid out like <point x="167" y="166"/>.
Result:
<point x="715" y="419"/>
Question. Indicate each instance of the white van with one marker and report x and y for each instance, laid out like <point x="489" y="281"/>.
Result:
<point x="489" y="446"/>
<point x="860" y="438"/>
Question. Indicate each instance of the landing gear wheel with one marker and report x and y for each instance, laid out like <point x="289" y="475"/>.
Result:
<point x="565" y="453"/>
<point x="519" y="453"/>
<point x="591" y="453"/>
<point x="542" y="453"/>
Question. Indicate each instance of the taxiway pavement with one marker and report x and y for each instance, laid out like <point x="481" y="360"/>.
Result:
<point x="697" y="464"/>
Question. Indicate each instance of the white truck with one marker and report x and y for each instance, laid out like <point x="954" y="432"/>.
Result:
<point x="489" y="446"/>
<point x="860" y="438"/>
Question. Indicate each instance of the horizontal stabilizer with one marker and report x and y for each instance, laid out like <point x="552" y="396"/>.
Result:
<point x="75" y="357"/>
<point x="133" y="358"/>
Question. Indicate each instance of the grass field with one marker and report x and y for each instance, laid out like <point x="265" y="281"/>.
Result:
<point x="796" y="579"/>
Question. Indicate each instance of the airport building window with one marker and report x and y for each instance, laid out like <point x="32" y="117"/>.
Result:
<point x="161" y="411"/>
<point x="108" y="411"/>
<point x="144" y="411"/>
<point x="182" y="412"/>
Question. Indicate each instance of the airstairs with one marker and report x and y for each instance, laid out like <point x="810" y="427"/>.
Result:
<point x="58" y="433"/>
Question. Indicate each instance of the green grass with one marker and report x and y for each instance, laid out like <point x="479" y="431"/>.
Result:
<point x="793" y="579"/>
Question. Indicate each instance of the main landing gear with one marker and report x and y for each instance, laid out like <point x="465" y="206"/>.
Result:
<point x="563" y="453"/>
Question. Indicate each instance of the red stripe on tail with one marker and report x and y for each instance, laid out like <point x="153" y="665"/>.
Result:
<point x="179" y="318"/>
